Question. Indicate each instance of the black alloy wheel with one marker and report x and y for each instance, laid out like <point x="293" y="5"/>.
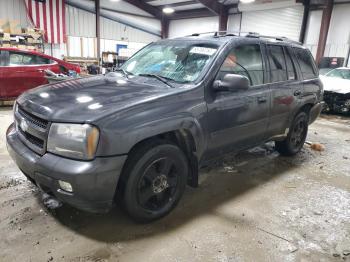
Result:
<point x="157" y="185"/>
<point x="296" y="136"/>
<point x="154" y="180"/>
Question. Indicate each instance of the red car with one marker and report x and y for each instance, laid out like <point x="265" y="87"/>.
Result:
<point x="21" y="70"/>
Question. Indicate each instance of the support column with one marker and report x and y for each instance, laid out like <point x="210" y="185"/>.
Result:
<point x="164" y="27"/>
<point x="223" y="18"/>
<point x="98" y="32"/>
<point x="305" y="19"/>
<point x="326" y="19"/>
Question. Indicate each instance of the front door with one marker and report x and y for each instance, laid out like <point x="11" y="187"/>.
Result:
<point x="238" y="120"/>
<point x="22" y="73"/>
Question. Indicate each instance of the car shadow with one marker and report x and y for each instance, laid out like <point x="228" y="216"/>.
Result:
<point x="222" y="181"/>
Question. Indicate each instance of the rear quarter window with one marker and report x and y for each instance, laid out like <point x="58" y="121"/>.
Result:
<point x="306" y="62"/>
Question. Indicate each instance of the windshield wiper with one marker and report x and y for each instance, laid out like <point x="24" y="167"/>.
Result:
<point x="126" y="73"/>
<point x="160" y="78"/>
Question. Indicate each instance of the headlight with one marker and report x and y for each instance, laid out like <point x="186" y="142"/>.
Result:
<point x="73" y="140"/>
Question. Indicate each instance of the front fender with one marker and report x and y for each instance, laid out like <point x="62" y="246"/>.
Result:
<point x="121" y="142"/>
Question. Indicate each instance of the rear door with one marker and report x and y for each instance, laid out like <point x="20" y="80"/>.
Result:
<point x="286" y="87"/>
<point x="309" y="74"/>
<point x="23" y="71"/>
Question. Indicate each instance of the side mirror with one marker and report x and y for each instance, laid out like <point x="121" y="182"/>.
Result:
<point x="232" y="82"/>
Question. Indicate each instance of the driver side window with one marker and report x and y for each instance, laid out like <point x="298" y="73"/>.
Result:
<point x="244" y="60"/>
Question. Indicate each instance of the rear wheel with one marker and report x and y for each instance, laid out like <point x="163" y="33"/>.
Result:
<point x="296" y="136"/>
<point x="156" y="179"/>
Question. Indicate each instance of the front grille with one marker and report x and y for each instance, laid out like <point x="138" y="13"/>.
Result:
<point x="33" y="130"/>
<point x="32" y="139"/>
<point x="33" y="119"/>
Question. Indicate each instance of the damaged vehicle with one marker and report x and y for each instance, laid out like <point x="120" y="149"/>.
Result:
<point x="337" y="90"/>
<point x="140" y="135"/>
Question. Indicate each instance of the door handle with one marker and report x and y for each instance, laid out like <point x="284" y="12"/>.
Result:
<point x="262" y="99"/>
<point x="297" y="93"/>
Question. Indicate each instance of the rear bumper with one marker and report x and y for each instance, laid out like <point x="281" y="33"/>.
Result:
<point x="94" y="182"/>
<point x="315" y="111"/>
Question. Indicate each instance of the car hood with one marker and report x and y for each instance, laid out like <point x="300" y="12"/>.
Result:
<point x="89" y="99"/>
<point x="336" y="85"/>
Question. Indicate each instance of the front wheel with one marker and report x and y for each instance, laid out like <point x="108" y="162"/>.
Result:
<point x="156" y="179"/>
<point x="296" y="136"/>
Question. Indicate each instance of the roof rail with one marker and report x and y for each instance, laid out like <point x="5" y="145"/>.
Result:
<point x="246" y="34"/>
<point x="278" y="38"/>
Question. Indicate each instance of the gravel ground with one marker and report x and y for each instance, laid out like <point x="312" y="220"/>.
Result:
<point x="255" y="206"/>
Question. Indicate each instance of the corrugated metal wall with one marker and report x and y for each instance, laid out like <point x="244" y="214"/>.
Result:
<point x="234" y="22"/>
<point x="184" y="27"/>
<point x="338" y="40"/>
<point x="79" y="22"/>
<point x="277" y="22"/>
<point x="82" y="23"/>
<point x="312" y="33"/>
<point x="117" y="31"/>
<point x="14" y="10"/>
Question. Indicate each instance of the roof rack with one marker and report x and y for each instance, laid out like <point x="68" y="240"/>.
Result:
<point x="246" y="34"/>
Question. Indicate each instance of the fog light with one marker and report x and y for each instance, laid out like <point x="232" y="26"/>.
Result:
<point x="65" y="186"/>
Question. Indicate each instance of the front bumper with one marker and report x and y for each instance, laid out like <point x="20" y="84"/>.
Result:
<point x="94" y="182"/>
<point x="337" y="102"/>
<point x="315" y="111"/>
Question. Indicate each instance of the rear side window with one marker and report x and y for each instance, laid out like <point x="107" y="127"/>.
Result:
<point x="17" y="58"/>
<point x="306" y="63"/>
<point x="42" y="60"/>
<point x="244" y="60"/>
<point x="290" y="66"/>
<point x="278" y="71"/>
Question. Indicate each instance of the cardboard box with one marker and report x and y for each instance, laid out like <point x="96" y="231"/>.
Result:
<point x="15" y="27"/>
<point x="22" y="46"/>
<point x="5" y="25"/>
<point x="6" y="45"/>
<point x="6" y="37"/>
<point x="34" y="41"/>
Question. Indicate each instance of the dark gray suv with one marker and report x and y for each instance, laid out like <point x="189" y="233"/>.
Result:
<point x="140" y="134"/>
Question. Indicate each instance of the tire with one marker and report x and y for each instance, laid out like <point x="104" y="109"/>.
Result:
<point x="296" y="136"/>
<point x="155" y="178"/>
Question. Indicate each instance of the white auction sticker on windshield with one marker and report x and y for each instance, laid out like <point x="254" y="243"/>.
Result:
<point x="202" y="50"/>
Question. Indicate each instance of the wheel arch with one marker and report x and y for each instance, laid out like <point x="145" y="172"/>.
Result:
<point x="181" y="137"/>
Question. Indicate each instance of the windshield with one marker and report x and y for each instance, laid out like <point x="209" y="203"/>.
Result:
<point x="340" y="73"/>
<point x="174" y="60"/>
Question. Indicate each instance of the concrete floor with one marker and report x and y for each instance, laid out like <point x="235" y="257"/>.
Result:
<point x="256" y="206"/>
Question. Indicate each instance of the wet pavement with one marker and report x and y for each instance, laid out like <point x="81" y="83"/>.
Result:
<point x="256" y="206"/>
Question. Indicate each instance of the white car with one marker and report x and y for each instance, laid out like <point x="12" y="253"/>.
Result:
<point x="336" y="84"/>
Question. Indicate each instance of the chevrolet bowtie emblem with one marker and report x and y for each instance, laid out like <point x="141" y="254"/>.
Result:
<point x="23" y="125"/>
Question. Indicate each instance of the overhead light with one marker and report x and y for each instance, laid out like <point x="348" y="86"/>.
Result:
<point x="114" y="0"/>
<point x="168" y="10"/>
<point x="247" y="1"/>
